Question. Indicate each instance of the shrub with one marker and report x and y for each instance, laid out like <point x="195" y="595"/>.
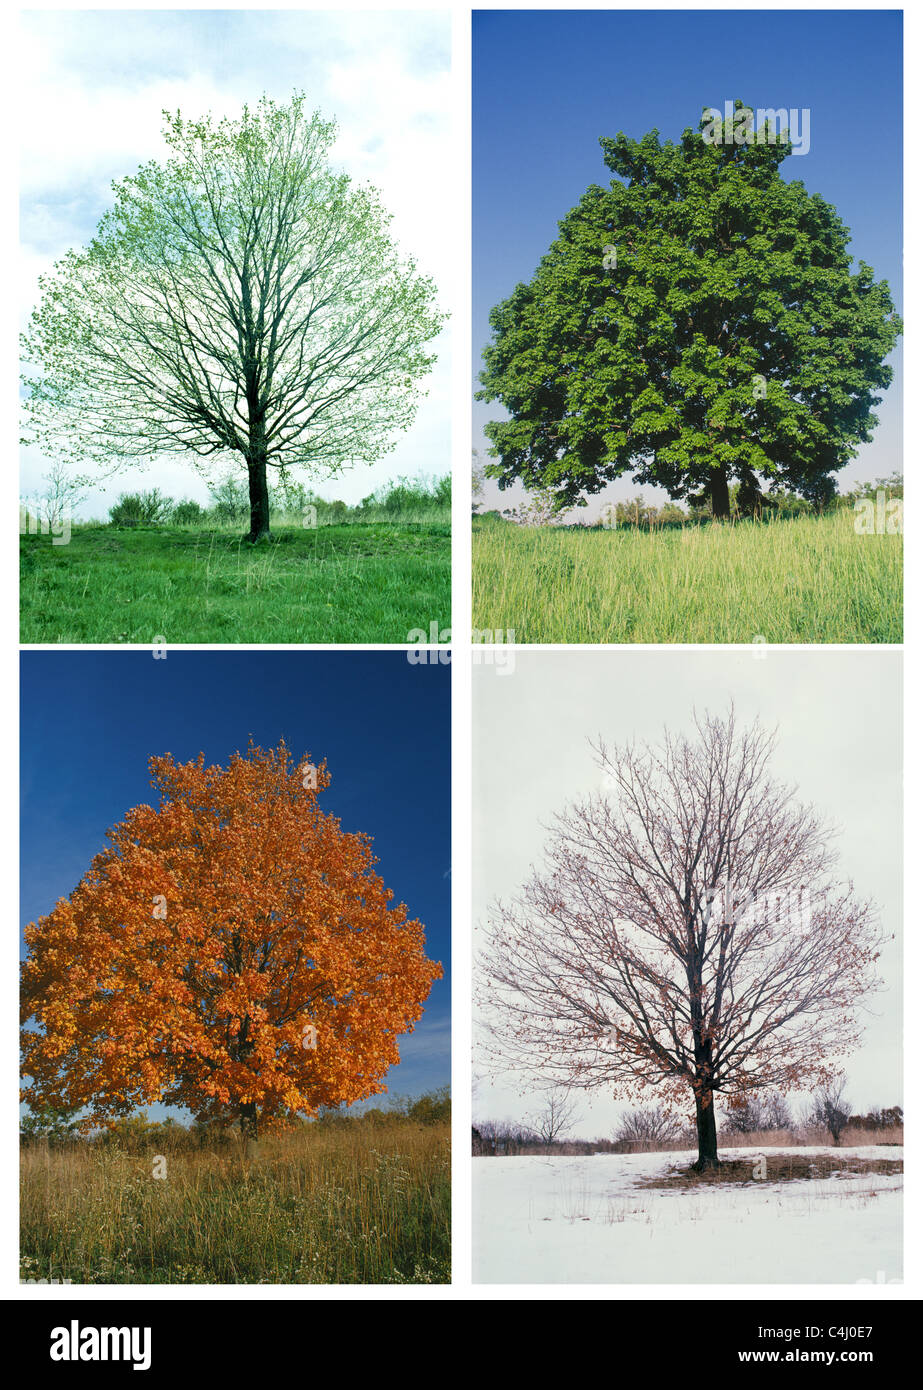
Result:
<point x="647" y="1125"/>
<point x="755" y="1113"/>
<point x="141" y="509"/>
<point x="47" y="1126"/>
<point x="433" y="1108"/>
<point x="188" y="513"/>
<point x="230" y="500"/>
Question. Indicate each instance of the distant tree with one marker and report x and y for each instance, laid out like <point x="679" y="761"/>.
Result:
<point x="758" y="1112"/>
<point x="635" y="512"/>
<point x="51" y="1125"/>
<point x="540" y="508"/>
<point x="149" y="508"/>
<point x="646" y="1124"/>
<point x="240" y="302"/>
<point x="187" y="513"/>
<point x="696" y="321"/>
<point x="830" y="1108"/>
<point x="55" y="503"/>
<point x="777" y="1113"/>
<point x="686" y="933"/>
<point x="229" y="498"/>
<point x="504" y="1137"/>
<point x="746" y="1117"/>
<point x="432" y="1108"/>
<point x="477" y="481"/>
<point x="556" y="1117"/>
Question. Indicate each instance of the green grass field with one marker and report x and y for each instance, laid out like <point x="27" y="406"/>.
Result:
<point x="803" y="579"/>
<point x="361" y="1202"/>
<point x="347" y="583"/>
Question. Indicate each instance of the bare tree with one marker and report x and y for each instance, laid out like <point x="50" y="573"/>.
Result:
<point x="777" y="1113"/>
<point x="685" y="933"/>
<point x="830" y="1108"/>
<point x="241" y="302"/>
<point x="648" y="1124"/>
<point x="54" y="505"/>
<point x="755" y="1112"/>
<point x="746" y="1117"/>
<point x="557" y="1116"/>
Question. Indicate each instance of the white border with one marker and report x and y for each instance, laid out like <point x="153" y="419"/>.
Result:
<point x="458" y="261"/>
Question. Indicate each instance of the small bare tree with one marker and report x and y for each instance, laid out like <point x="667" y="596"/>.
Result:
<point x="54" y="505"/>
<point x="686" y="933"/>
<point x="557" y="1116"/>
<point x="477" y="482"/>
<point x="830" y="1108"/>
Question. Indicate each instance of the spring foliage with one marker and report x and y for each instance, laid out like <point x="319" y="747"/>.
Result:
<point x="242" y="301"/>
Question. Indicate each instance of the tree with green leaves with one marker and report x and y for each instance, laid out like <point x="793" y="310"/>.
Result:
<point x="696" y="322"/>
<point x="243" y="302"/>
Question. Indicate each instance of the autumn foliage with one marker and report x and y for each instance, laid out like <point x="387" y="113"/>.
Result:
<point x="231" y="951"/>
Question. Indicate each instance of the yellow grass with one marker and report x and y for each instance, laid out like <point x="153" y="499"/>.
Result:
<point x="353" y="1203"/>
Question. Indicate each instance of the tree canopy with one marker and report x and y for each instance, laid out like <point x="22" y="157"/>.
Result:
<point x="231" y="951"/>
<point x="241" y="301"/>
<point x="688" y="932"/>
<point x="695" y="322"/>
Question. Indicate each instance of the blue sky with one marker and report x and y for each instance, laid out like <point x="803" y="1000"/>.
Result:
<point x="91" y="112"/>
<point x="548" y="84"/>
<point x="91" y="720"/>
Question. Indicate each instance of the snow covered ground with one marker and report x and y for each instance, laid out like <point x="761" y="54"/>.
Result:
<point x="582" y="1220"/>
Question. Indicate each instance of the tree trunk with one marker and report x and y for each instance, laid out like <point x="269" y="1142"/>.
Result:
<point x="707" y="1132"/>
<point x="259" y="497"/>
<point x="720" y="497"/>
<point x="249" y="1122"/>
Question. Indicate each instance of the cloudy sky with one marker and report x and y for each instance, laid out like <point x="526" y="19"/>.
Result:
<point x="837" y="713"/>
<point x="99" y="80"/>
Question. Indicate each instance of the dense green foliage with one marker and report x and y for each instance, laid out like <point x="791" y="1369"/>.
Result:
<point x="696" y="322"/>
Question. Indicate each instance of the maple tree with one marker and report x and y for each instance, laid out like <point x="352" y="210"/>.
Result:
<point x="232" y="951"/>
<point x="688" y="933"/>
<point x="242" y="302"/>
<point x="698" y="320"/>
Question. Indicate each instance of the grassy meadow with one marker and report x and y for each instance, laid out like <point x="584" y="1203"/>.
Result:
<point x="368" y="574"/>
<point x="793" y="579"/>
<point x="365" y="1201"/>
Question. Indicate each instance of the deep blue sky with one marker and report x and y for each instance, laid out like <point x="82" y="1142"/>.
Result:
<point x="548" y="84"/>
<point x="91" y="720"/>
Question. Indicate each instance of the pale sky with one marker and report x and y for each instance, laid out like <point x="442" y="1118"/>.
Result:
<point x="98" y="81"/>
<point x="838" y="719"/>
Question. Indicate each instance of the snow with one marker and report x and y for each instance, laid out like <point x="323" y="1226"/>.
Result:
<point x="583" y="1220"/>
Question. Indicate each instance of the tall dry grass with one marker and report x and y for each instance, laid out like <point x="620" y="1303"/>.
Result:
<point x="357" y="1203"/>
<point x="853" y="1137"/>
